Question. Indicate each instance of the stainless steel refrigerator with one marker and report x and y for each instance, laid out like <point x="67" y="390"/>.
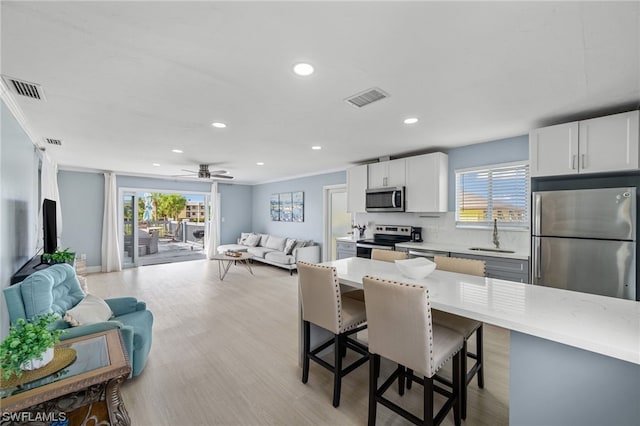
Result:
<point x="585" y="240"/>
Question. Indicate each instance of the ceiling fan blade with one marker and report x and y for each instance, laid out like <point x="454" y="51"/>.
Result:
<point x="218" y="172"/>
<point x="222" y="176"/>
<point x="190" y="171"/>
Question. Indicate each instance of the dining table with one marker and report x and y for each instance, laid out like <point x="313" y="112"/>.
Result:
<point x="574" y="358"/>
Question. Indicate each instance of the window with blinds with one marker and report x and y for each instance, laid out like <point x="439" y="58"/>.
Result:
<point x="496" y="192"/>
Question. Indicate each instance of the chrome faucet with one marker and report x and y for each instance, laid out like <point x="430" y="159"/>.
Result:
<point x="496" y="241"/>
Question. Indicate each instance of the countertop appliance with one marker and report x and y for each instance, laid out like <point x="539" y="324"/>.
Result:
<point x="585" y="240"/>
<point x="416" y="234"/>
<point x="385" y="237"/>
<point x="387" y="199"/>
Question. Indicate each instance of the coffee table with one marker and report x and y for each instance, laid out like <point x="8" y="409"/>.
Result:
<point x="225" y="262"/>
<point x="85" y="392"/>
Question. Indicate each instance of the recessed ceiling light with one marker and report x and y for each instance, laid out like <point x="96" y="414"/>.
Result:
<point x="316" y="147"/>
<point x="260" y="163"/>
<point x="218" y="125"/>
<point x="177" y="151"/>
<point x="156" y="164"/>
<point x="303" y="69"/>
<point x="411" y="120"/>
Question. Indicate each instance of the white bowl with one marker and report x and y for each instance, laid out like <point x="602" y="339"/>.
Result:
<point x="415" y="268"/>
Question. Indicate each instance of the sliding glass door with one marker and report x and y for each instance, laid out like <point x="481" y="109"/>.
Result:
<point x="129" y="237"/>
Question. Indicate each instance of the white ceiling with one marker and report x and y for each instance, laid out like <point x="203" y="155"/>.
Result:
<point x="126" y="83"/>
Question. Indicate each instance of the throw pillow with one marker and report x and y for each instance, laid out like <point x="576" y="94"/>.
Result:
<point x="243" y="238"/>
<point x="299" y="243"/>
<point x="263" y="239"/>
<point x="288" y="247"/>
<point x="275" y="243"/>
<point x="90" y="310"/>
<point x="252" y="240"/>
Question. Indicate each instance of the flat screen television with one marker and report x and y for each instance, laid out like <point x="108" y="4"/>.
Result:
<point x="50" y="230"/>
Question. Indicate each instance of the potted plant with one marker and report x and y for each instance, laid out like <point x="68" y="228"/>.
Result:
<point x="59" y="256"/>
<point x="29" y="345"/>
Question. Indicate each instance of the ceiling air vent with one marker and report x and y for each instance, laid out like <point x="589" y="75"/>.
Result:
<point x="24" y="88"/>
<point x="367" y="97"/>
<point x="51" y="141"/>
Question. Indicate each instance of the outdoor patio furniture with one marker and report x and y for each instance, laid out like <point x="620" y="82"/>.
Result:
<point x="149" y="241"/>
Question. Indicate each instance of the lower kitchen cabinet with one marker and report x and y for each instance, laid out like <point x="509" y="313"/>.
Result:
<point x="502" y="268"/>
<point x="345" y="249"/>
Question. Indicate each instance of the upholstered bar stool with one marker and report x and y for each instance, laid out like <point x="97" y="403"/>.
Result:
<point x="401" y="330"/>
<point x="388" y="255"/>
<point x="343" y="314"/>
<point x="462" y="325"/>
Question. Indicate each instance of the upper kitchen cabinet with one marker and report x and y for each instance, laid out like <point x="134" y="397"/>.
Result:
<point x="553" y="150"/>
<point x="356" y="188"/>
<point x="609" y="143"/>
<point x="387" y="173"/>
<point x="603" y="144"/>
<point x="426" y="184"/>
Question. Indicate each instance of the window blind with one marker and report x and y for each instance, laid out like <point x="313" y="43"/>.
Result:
<point x="497" y="192"/>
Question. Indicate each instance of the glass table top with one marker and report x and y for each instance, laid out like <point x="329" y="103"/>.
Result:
<point x="91" y="354"/>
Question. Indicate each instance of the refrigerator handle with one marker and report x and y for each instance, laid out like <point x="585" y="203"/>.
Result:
<point x="537" y="211"/>
<point x="537" y="258"/>
<point x="573" y="162"/>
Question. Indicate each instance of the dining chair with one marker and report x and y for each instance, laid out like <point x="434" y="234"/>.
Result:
<point x="343" y="314"/>
<point x="462" y="325"/>
<point x="401" y="330"/>
<point x="388" y="255"/>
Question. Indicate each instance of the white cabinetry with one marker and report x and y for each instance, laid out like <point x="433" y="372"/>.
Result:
<point x="387" y="173"/>
<point x="603" y="144"/>
<point x="356" y="188"/>
<point x="609" y="143"/>
<point x="426" y="183"/>
<point x="345" y="249"/>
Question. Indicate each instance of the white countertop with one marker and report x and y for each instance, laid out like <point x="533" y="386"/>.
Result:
<point x="348" y="239"/>
<point x="599" y="324"/>
<point x="459" y="248"/>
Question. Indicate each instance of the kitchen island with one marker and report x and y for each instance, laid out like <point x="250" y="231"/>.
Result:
<point x="574" y="357"/>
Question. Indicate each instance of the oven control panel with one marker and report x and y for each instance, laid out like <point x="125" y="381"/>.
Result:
<point x="402" y="230"/>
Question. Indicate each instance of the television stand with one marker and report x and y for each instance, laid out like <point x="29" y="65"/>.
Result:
<point x="34" y="264"/>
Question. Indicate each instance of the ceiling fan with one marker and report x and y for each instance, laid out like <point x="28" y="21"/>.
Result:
<point x="205" y="173"/>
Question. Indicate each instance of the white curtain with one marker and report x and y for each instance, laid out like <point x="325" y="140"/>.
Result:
<point x="211" y="240"/>
<point x="49" y="190"/>
<point x="111" y="260"/>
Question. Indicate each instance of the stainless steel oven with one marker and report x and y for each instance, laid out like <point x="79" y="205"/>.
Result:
<point x="384" y="238"/>
<point x="364" y="249"/>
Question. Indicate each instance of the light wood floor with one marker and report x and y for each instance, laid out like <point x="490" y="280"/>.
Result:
<point x="225" y="353"/>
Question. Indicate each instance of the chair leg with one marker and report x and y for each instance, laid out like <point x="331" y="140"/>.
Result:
<point x="337" y="369"/>
<point x="428" y="401"/>
<point x="459" y="383"/>
<point x="463" y="370"/>
<point x="374" y="372"/>
<point x="409" y="375"/>
<point x="306" y="339"/>
<point x="480" y="356"/>
<point x="401" y="378"/>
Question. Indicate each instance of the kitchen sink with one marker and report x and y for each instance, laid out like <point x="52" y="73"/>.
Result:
<point x="496" y="250"/>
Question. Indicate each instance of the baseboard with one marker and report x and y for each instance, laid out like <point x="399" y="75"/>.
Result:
<point x="94" y="269"/>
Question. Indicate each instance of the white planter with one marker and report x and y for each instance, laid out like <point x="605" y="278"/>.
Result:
<point x="35" y="363"/>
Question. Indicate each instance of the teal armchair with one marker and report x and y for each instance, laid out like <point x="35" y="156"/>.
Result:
<point x="56" y="289"/>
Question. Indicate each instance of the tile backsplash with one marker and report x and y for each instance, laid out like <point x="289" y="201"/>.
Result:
<point x="441" y="228"/>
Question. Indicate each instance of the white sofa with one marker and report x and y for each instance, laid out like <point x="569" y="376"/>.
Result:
<point x="278" y="251"/>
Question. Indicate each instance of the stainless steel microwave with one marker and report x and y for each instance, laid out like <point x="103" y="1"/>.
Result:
<point x="387" y="199"/>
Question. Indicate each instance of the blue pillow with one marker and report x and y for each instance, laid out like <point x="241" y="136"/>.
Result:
<point x="55" y="289"/>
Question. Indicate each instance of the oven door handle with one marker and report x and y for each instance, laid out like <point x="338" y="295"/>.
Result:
<point x="373" y="246"/>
